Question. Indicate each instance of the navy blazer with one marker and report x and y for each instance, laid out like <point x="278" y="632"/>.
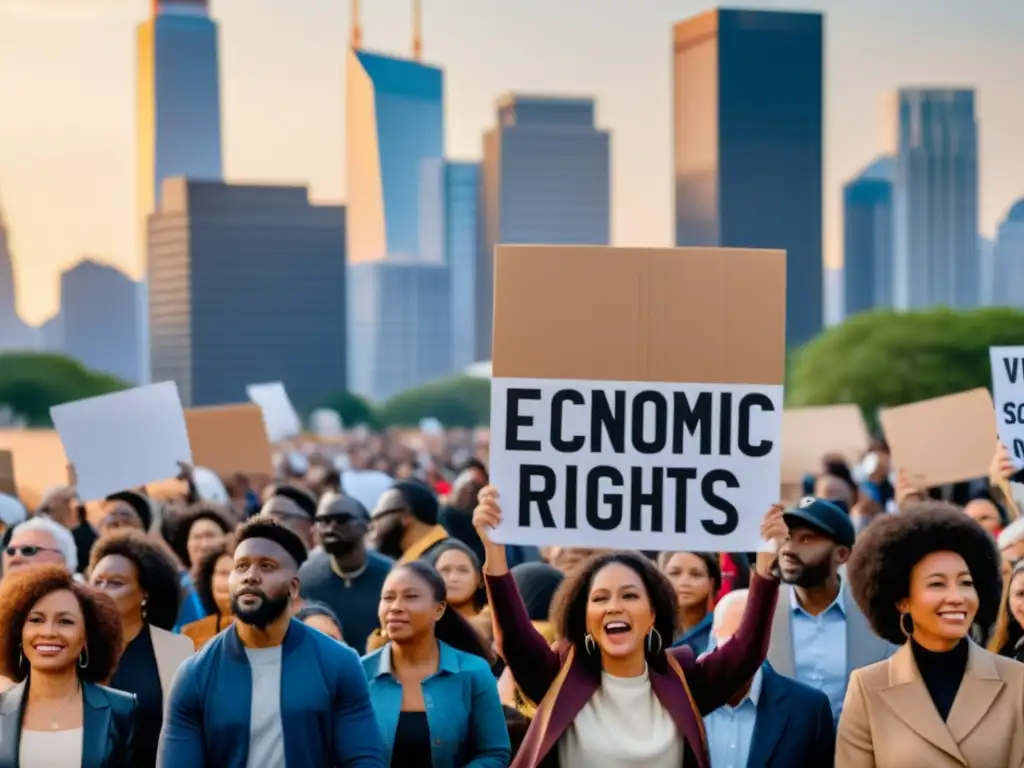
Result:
<point x="108" y="726"/>
<point x="325" y="706"/>
<point x="794" y="725"/>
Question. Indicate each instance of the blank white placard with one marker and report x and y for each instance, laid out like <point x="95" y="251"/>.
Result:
<point x="279" y="414"/>
<point x="125" y="439"/>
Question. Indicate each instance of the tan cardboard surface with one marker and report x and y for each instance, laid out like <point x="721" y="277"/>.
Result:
<point x="8" y="484"/>
<point x="39" y="461"/>
<point x="944" y="440"/>
<point x="810" y="433"/>
<point x="229" y="439"/>
<point x="700" y="315"/>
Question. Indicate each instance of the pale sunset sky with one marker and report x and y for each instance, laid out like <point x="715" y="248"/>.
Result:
<point x="67" y="80"/>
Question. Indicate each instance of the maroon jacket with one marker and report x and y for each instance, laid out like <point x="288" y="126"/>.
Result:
<point x="692" y="688"/>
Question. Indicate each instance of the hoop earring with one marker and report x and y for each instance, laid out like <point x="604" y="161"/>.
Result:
<point x="588" y="644"/>
<point x="907" y="633"/>
<point x="654" y="636"/>
<point x="21" y="657"/>
<point x="83" y="657"/>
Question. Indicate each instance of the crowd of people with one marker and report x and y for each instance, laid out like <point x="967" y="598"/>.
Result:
<point x="363" y="617"/>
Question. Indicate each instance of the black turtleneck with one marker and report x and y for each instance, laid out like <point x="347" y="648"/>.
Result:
<point x="942" y="672"/>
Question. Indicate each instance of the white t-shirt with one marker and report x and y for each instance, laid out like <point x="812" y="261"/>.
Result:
<point x="266" y="732"/>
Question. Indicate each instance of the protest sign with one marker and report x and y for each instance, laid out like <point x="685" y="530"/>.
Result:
<point x="229" y="439"/>
<point x="943" y="440"/>
<point x="39" y="461"/>
<point x="810" y="433"/>
<point x="125" y="439"/>
<point x="8" y="484"/>
<point x="1008" y="394"/>
<point x="279" y="414"/>
<point x="636" y="395"/>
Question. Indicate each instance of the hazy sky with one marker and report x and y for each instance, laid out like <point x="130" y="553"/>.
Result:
<point x="67" y="75"/>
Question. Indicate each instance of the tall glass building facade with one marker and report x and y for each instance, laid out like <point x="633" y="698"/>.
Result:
<point x="178" y="117"/>
<point x="395" y="122"/>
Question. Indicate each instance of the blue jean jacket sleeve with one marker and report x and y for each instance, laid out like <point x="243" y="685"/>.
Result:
<point x="181" y="738"/>
<point x="490" y="734"/>
<point x="357" y="739"/>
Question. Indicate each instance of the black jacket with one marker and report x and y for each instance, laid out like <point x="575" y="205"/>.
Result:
<point x="108" y="726"/>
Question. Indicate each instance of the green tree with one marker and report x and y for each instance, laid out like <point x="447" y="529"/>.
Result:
<point x="883" y="358"/>
<point x="353" y="409"/>
<point x="464" y="401"/>
<point x="33" y="382"/>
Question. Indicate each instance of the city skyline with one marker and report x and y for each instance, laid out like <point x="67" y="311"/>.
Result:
<point x="294" y="102"/>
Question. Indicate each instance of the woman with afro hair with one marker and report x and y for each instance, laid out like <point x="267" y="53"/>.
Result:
<point x="923" y="577"/>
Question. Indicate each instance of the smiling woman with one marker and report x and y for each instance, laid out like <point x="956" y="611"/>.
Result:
<point x="923" y="577"/>
<point x="58" y="640"/>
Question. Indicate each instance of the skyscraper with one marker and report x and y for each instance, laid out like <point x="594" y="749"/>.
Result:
<point x="748" y="90"/>
<point x="178" y="121"/>
<point x="97" y="310"/>
<point x="247" y="284"/>
<point x="450" y="198"/>
<point x="400" y="325"/>
<point x="1008" y="259"/>
<point x="545" y="178"/>
<point x="935" y="199"/>
<point x="394" y="115"/>
<point x="867" y="237"/>
<point x="14" y="332"/>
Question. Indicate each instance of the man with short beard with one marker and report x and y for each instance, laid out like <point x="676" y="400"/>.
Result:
<point x="344" y="574"/>
<point x="404" y="524"/>
<point x="819" y="636"/>
<point x="269" y="691"/>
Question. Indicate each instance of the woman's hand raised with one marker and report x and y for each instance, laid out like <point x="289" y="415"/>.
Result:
<point x="486" y="517"/>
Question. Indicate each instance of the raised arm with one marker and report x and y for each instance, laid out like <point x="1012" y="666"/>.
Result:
<point x="716" y="676"/>
<point x="182" y="741"/>
<point x="357" y="740"/>
<point x="533" y="663"/>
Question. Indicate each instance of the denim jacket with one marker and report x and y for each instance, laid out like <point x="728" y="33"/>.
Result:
<point x="464" y="714"/>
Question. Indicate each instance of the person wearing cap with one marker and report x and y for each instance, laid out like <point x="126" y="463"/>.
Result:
<point x="819" y="635"/>
<point x="294" y="508"/>
<point x="342" y="573"/>
<point x="404" y="524"/>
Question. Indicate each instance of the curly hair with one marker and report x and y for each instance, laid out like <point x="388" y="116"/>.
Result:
<point x="888" y="549"/>
<point x="19" y="593"/>
<point x="183" y="527"/>
<point x="202" y="578"/>
<point x="569" y="606"/>
<point x="158" y="575"/>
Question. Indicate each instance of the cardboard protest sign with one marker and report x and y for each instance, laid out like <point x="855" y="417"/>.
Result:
<point x="8" y="484"/>
<point x="810" y="433"/>
<point x="943" y="440"/>
<point x="125" y="439"/>
<point x="279" y="415"/>
<point x="1008" y="394"/>
<point x="229" y="439"/>
<point x="39" y="461"/>
<point x="636" y="396"/>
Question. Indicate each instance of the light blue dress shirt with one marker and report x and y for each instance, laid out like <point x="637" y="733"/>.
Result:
<point x="464" y="714"/>
<point x="730" y="730"/>
<point x="819" y="649"/>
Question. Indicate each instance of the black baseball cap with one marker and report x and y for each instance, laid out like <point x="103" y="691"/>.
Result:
<point x="824" y="517"/>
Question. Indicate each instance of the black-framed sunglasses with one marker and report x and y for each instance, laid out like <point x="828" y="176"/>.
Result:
<point x="29" y="550"/>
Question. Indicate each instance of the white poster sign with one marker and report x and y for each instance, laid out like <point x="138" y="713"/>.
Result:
<point x="636" y="465"/>
<point x="279" y="414"/>
<point x="1008" y="398"/>
<point x="125" y="439"/>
